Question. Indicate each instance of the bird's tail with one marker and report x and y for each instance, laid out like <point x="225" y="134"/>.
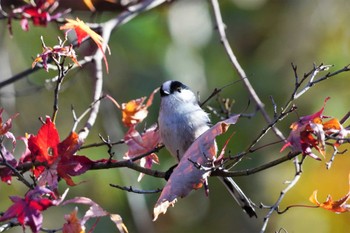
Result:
<point x="243" y="201"/>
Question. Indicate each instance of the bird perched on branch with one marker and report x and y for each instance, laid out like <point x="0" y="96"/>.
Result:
<point x="181" y="121"/>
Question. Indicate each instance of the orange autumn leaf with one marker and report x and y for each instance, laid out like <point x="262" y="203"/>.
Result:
<point x="134" y="111"/>
<point x="332" y="124"/>
<point x="82" y="31"/>
<point x="89" y="4"/>
<point x="73" y="223"/>
<point x="339" y="206"/>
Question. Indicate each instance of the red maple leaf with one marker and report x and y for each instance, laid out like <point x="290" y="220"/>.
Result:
<point x="302" y="139"/>
<point x="310" y="132"/>
<point x="28" y="210"/>
<point x="39" y="11"/>
<point x="73" y="166"/>
<point x="58" y="158"/>
<point x="55" y="52"/>
<point x="43" y="147"/>
<point x="70" y="164"/>
<point x="83" y="31"/>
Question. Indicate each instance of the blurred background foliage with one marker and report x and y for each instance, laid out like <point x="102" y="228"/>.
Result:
<point x="179" y="41"/>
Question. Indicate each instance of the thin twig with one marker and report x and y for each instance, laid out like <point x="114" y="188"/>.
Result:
<point x="221" y="29"/>
<point x="13" y="169"/>
<point x="108" y="144"/>
<point x="345" y="118"/>
<point x="291" y="184"/>
<point x="292" y="206"/>
<point x="9" y="225"/>
<point x="311" y="82"/>
<point x="98" y="73"/>
<point x="106" y="30"/>
<point x="250" y="171"/>
<point x="275" y="115"/>
<point x="98" y="144"/>
<point x="335" y="152"/>
<point x="311" y="76"/>
<point x="129" y="164"/>
<point x="327" y="76"/>
<point x="61" y="75"/>
<point x="133" y="190"/>
<point x="78" y="119"/>
<point x="216" y="91"/>
<point x="263" y="132"/>
<point x="19" y="76"/>
<point x="264" y="146"/>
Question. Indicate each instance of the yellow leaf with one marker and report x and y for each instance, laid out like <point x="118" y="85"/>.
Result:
<point x="313" y="198"/>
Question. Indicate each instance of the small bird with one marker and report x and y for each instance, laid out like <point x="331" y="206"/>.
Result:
<point x="181" y="121"/>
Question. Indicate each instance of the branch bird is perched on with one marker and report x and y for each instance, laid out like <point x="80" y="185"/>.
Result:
<point x="181" y="121"/>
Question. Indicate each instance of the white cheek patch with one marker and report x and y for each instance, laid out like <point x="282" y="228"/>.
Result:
<point x="187" y="95"/>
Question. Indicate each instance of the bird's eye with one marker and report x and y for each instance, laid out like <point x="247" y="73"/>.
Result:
<point x="178" y="89"/>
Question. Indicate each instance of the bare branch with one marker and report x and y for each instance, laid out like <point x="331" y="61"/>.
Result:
<point x="335" y="152"/>
<point x="250" y="171"/>
<point x="291" y="184"/>
<point x="13" y="169"/>
<point x="282" y="115"/>
<point x="311" y="82"/>
<point x="345" y="118"/>
<point x="129" y="164"/>
<point x="121" y="141"/>
<point x="238" y="68"/>
<point x="98" y="73"/>
<point x="327" y="76"/>
<point x="311" y="77"/>
<point x="20" y="76"/>
<point x="106" y="29"/>
<point x="78" y="119"/>
<point x="9" y="225"/>
<point x="293" y="206"/>
<point x="133" y="190"/>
